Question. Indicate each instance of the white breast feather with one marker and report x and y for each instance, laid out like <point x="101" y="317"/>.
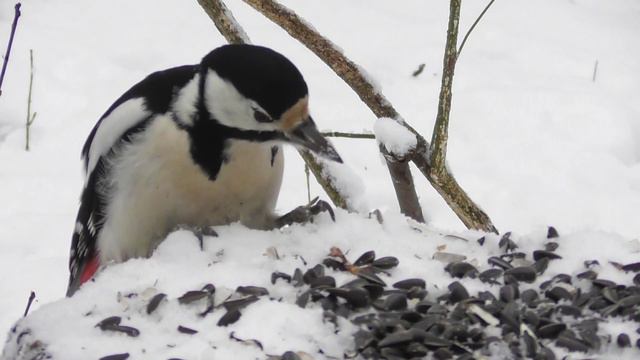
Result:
<point x="157" y="186"/>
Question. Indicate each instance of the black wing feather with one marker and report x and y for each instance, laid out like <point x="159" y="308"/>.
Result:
<point x="158" y="91"/>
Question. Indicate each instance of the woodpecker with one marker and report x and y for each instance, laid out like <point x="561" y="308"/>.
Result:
<point x="194" y="145"/>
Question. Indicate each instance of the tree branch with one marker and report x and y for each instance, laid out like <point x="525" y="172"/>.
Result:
<point x="348" y="135"/>
<point x="439" y="138"/>
<point x="225" y="22"/>
<point x="234" y="34"/>
<point x="30" y="118"/>
<point x="8" y="52"/>
<point x="434" y="167"/>
<point x="464" y="40"/>
<point x="353" y="76"/>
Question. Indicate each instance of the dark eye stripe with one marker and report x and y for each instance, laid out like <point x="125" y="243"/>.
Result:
<point x="261" y="117"/>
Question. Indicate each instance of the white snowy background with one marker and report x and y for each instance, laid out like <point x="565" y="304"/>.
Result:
<point x="533" y="138"/>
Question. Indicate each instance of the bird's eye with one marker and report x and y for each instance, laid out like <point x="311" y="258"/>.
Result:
<point x="261" y="117"/>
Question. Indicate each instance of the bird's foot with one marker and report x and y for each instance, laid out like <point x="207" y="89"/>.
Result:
<point x="199" y="232"/>
<point x="306" y="213"/>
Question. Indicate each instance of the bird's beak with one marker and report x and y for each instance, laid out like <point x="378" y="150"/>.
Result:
<point x="307" y="135"/>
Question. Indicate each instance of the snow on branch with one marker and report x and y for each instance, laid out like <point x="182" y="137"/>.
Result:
<point x="394" y="137"/>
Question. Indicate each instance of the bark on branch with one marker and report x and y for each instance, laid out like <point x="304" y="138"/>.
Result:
<point x="234" y="34"/>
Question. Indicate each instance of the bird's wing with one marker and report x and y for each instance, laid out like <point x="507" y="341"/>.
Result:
<point x="127" y="116"/>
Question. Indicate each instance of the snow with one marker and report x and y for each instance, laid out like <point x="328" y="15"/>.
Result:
<point x="241" y="257"/>
<point x="397" y="139"/>
<point x="348" y="183"/>
<point x="533" y="139"/>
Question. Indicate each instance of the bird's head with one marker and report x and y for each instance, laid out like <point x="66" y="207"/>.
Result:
<point x="255" y="90"/>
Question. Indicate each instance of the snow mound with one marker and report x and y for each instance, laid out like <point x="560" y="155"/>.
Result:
<point x="234" y="298"/>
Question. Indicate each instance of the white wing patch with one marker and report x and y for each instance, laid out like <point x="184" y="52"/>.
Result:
<point x="186" y="101"/>
<point x="112" y="127"/>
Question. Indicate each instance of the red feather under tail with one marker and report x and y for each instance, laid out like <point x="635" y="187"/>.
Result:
<point x="89" y="270"/>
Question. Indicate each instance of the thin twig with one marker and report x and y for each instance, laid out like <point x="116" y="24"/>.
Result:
<point x="306" y="173"/>
<point x="348" y="135"/>
<point x="464" y="40"/>
<point x="8" y="52"/>
<point x="595" y="71"/>
<point x="30" y="118"/>
<point x="32" y="297"/>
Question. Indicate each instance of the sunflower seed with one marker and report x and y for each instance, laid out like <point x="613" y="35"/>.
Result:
<point x="290" y="355"/>
<point x="633" y="267"/>
<point x="155" y="302"/>
<point x="623" y="340"/>
<point x="186" y="330"/>
<point x="558" y="293"/>
<point x="239" y="302"/>
<point x="385" y="263"/>
<point x="508" y="293"/>
<point x="522" y="273"/>
<point x="496" y="261"/>
<point x="551" y="331"/>
<point x="334" y="264"/>
<point x="193" y="296"/>
<point x="461" y="269"/>
<point x="368" y="275"/>
<point x="280" y="275"/>
<point x="539" y="254"/>
<point x="123" y="356"/>
<point x="458" y="292"/>
<point x="506" y="243"/>
<point x="391" y="302"/>
<point x="410" y="283"/>
<point x="588" y="275"/>
<point x="313" y="273"/>
<point x="571" y="344"/>
<point x="366" y="258"/>
<point x="529" y="296"/>
<point x="323" y="282"/>
<point x="297" y="278"/>
<point x="552" y="233"/>
<point x="631" y="300"/>
<point x="252" y="290"/>
<point x="229" y="317"/>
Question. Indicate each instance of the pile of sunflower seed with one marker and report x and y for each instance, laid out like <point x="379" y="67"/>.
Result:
<point x="404" y="321"/>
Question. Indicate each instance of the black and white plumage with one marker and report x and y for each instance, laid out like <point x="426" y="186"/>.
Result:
<point x="196" y="145"/>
